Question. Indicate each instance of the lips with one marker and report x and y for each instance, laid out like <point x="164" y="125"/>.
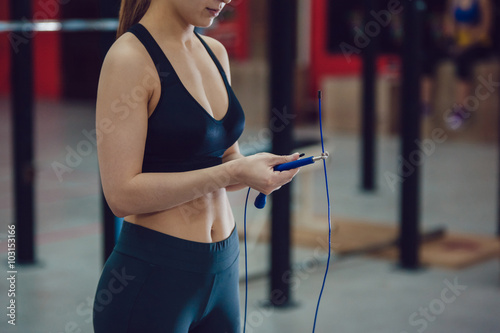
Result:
<point x="213" y="12"/>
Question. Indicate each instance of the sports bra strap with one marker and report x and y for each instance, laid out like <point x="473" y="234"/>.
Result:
<point x="212" y="55"/>
<point x="161" y="61"/>
<point x="149" y="42"/>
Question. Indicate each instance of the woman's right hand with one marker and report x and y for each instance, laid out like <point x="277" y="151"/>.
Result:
<point x="257" y="171"/>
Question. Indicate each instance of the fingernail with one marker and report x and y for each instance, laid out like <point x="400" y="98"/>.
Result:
<point x="302" y="154"/>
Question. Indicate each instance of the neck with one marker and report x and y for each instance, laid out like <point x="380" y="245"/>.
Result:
<point x="163" y="19"/>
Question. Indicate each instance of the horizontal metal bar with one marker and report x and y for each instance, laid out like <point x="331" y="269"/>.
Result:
<point x="75" y="25"/>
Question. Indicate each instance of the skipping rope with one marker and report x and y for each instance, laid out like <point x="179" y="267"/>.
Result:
<point x="329" y="231"/>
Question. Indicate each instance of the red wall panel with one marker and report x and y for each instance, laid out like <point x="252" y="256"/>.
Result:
<point x="231" y="29"/>
<point x="324" y="63"/>
<point x="47" y="65"/>
<point x="46" y="53"/>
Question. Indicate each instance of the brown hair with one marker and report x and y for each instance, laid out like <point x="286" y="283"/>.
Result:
<point x="131" y="12"/>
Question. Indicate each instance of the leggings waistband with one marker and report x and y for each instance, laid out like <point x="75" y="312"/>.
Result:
<point x="165" y="250"/>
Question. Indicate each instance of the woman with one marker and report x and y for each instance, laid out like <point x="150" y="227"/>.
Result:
<point x="470" y="23"/>
<point x="169" y="122"/>
<point x="468" y="27"/>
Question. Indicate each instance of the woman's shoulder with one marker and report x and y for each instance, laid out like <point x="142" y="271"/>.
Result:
<point x="126" y="52"/>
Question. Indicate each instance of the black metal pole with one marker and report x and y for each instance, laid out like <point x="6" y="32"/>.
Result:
<point x="282" y="48"/>
<point x="498" y="134"/>
<point x="409" y="239"/>
<point x="368" y="115"/>
<point x="108" y="9"/>
<point x="22" y="115"/>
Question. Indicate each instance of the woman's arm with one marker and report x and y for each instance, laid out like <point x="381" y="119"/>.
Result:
<point x="231" y="154"/>
<point x="125" y="87"/>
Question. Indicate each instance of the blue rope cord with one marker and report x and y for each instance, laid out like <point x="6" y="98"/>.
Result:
<point x="329" y="220"/>
<point x="329" y="235"/>
<point x="246" y="262"/>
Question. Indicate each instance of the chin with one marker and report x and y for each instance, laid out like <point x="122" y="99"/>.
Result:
<point x="204" y="23"/>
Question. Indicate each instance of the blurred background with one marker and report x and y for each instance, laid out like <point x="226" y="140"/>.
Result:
<point x="410" y="117"/>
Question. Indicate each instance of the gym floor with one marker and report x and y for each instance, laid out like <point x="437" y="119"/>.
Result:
<point x="459" y="191"/>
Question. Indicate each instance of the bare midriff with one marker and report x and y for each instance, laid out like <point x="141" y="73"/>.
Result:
<point x="206" y="219"/>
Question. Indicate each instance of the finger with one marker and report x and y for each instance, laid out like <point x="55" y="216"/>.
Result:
<point x="289" y="174"/>
<point x="280" y="159"/>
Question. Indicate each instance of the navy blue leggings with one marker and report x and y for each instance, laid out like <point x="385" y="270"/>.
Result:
<point x="153" y="283"/>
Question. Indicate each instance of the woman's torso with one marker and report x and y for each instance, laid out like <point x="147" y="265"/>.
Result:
<point x="468" y="16"/>
<point x="208" y="218"/>
<point x="467" y="12"/>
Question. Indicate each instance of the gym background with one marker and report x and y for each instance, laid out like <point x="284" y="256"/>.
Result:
<point x="437" y="271"/>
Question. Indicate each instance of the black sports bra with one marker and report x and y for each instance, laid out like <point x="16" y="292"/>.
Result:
<point x="182" y="135"/>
